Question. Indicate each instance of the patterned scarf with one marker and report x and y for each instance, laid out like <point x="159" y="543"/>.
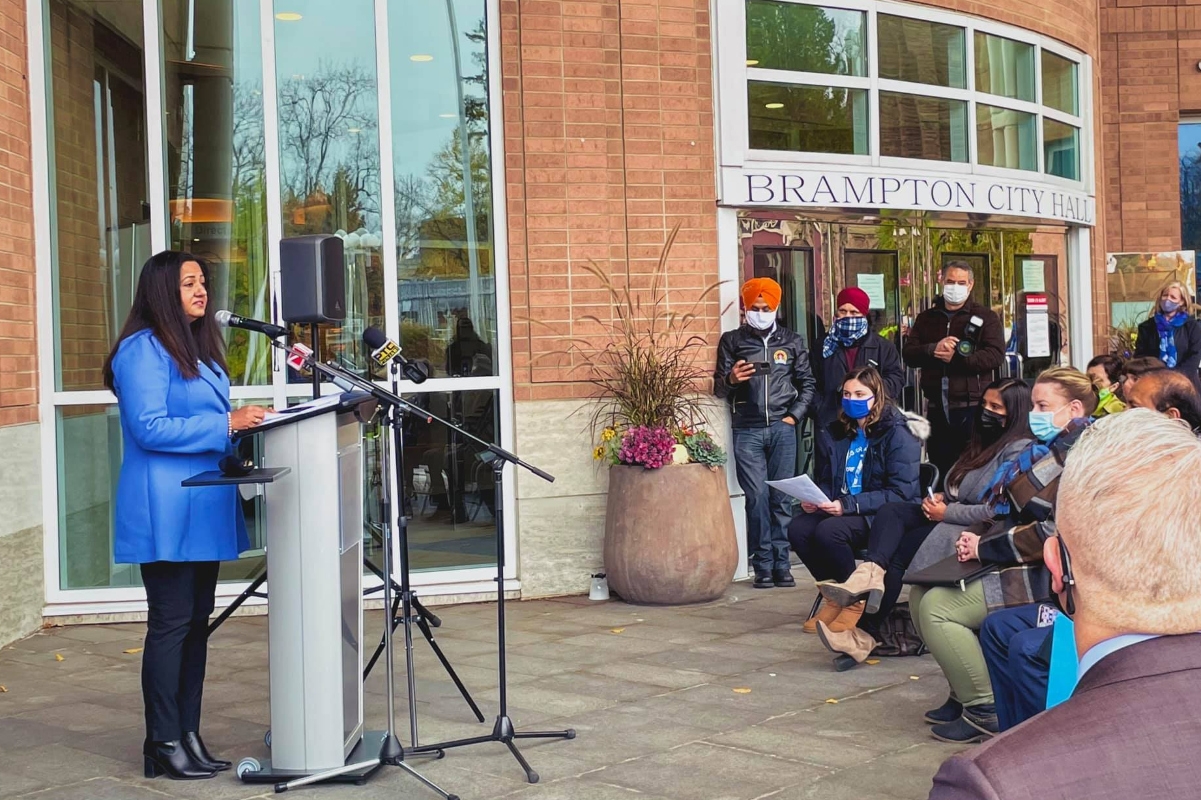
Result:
<point x="994" y="496"/>
<point x="845" y="331"/>
<point x="1166" y="328"/>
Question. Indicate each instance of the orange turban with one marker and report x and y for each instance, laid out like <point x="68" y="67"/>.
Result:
<point x="766" y="288"/>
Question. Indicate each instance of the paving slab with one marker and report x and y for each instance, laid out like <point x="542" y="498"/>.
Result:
<point x="722" y="701"/>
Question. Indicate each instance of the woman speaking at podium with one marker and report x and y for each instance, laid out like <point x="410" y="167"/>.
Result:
<point x="169" y="374"/>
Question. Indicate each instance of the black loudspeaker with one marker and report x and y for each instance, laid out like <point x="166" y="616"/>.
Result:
<point x="312" y="277"/>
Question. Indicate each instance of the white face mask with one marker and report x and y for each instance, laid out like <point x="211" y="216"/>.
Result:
<point x="761" y="320"/>
<point x="955" y="293"/>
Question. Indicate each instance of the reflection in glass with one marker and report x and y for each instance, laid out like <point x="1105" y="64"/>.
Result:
<point x="1061" y="149"/>
<point x="1189" y="149"/>
<point x="1059" y="83"/>
<point x="932" y="128"/>
<point x="1004" y="67"/>
<point x="101" y="209"/>
<point x="443" y="169"/>
<point x="814" y="119"/>
<point x="216" y="161"/>
<point x="450" y="491"/>
<point x="805" y="38"/>
<point x="329" y="150"/>
<point x="89" y="464"/>
<point x="921" y="52"/>
<point x="884" y="321"/>
<point x="1005" y="138"/>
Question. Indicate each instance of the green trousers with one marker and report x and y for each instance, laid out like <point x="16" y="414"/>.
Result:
<point x="947" y="620"/>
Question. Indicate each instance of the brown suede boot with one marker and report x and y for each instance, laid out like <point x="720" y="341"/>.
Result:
<point x="827" y="614"/>
<point x="867" y="581"/>
<point x="856" y="642"/>
<point x="847" y="619"/>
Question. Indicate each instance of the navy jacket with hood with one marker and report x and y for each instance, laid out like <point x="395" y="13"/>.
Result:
<point x="890" y="467"/>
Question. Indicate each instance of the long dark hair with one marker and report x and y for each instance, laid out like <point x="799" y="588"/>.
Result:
<point x="870" y="378"/>
<point x="157" y="306"/>
<point x="1015" y="396"/>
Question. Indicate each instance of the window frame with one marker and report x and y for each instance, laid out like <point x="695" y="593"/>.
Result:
<point x="732" y="75"/>
<point x="464" y="580"/>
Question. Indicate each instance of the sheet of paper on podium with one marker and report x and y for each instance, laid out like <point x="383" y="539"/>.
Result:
<point x="321" y="402"/>
<point x="802" y="488"/>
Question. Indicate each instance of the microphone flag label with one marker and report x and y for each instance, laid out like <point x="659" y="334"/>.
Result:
<point x="298" y="356"/>
<point x="386" y="352"/>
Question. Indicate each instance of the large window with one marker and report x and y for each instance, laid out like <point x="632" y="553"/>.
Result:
<point x="1189" y="147"/>
<point x="890" y="81"/>
<point x="239" y="136"/>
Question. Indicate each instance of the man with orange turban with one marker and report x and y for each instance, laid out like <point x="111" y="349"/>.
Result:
<point x="763" y="373"/>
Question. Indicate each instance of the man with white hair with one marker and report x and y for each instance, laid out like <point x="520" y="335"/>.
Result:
<point x="1124" y="566"/>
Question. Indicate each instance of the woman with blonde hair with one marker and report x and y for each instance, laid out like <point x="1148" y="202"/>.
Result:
<point x="1171" y="334"/>
<point x="1023" y="495"/>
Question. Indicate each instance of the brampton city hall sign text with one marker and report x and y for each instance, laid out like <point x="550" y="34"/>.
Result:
<point x="959" y="193"/>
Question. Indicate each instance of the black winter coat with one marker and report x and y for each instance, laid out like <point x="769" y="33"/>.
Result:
<point x="967" y="376"/>
<point x="787" y="389"/>
<point x="890" y="468"/>
<point x="1188" y="347"/>
<point x="874" y="351"/>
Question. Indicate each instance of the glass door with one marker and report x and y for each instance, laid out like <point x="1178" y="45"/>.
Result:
<point x="792" y="268"/>
<point x="879" y="260"/>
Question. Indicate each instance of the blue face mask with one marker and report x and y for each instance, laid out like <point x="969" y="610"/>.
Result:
<point x="857" y="409"/>
<point x="1042" y="424"/>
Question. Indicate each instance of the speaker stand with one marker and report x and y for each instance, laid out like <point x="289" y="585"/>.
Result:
<point x="316" y="356"/>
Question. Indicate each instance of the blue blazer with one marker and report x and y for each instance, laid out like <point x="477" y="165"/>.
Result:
<point x="172" y="429"/>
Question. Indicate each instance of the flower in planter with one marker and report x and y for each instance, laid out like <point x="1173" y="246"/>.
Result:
<point x="646" y="447"/>
<point x="703" y="450"/>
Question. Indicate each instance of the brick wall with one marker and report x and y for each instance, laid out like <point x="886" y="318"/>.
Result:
<point x="609" y="125"/>
<point x="1150" y="52"/>
<point x="18" y="354"/>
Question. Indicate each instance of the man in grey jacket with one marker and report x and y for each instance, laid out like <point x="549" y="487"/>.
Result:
<point x="1123" y="566"/>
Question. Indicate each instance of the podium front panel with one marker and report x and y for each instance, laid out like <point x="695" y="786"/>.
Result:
<point x="314" y="589"/>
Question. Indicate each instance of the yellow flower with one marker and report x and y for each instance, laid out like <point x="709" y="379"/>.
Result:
<point x="598" y="453"/>
<point x="607" y="434"/>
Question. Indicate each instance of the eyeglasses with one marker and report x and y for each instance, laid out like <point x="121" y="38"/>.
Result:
<point x="1069" y="579"/>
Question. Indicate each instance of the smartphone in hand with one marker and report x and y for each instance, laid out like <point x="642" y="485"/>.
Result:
<point x="761" y="367"/>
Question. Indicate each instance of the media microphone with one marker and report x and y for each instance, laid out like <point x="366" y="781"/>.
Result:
<point x="228" y="320"/>
<point x="301" y="357"/>
<point x="384" y="351"/>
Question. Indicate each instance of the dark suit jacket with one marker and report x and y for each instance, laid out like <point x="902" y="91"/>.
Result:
<point x="1132" y="731"/>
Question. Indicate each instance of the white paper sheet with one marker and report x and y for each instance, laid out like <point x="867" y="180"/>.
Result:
<point x="802" y="488"/>
<point x="322" y="402"/>
<point x="873" y="285"/>
<point x="1038" y="333"/>
<point x="1033" y="276"/>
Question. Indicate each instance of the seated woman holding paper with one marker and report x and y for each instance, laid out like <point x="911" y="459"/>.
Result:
<point x="948" y="617"/>
<point x="870" y="458"/>
<point x="1000" y="432"/>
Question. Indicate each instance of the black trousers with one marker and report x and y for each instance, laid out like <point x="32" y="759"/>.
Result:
<point x="827" y="544"/>
<point x="180" y="596"/>
<point x="897" y="534"/>
<point x="950" y="432"/>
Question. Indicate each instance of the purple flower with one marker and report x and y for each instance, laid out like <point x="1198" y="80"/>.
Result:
<point x="647" y="447"/>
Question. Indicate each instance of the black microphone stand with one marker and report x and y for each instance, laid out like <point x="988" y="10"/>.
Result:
<point x="391" y="752"/>
<point x="503" y="730"/>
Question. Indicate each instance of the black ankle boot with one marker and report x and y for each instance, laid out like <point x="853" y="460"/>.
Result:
<point x="195" y="747"/>
<point x="173" y="760"/>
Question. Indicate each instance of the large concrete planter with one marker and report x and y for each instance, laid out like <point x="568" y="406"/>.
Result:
<point x="669" y="534"/>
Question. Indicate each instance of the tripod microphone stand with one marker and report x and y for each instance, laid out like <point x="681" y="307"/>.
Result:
<point x="503" y="730"/>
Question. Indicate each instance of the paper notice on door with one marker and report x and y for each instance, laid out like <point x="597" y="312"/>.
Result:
<point x="1033" y="279"/>
<point x="1038" y="332"/>
<point x="873" y="285"/>
<point x="802" y="488"/>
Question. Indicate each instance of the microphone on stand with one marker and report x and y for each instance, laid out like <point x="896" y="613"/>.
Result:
<point x="384" y="351"/>
<point x="227" y="320"/>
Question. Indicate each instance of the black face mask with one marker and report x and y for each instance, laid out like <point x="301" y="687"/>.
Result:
<point x="992" y="425"/>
